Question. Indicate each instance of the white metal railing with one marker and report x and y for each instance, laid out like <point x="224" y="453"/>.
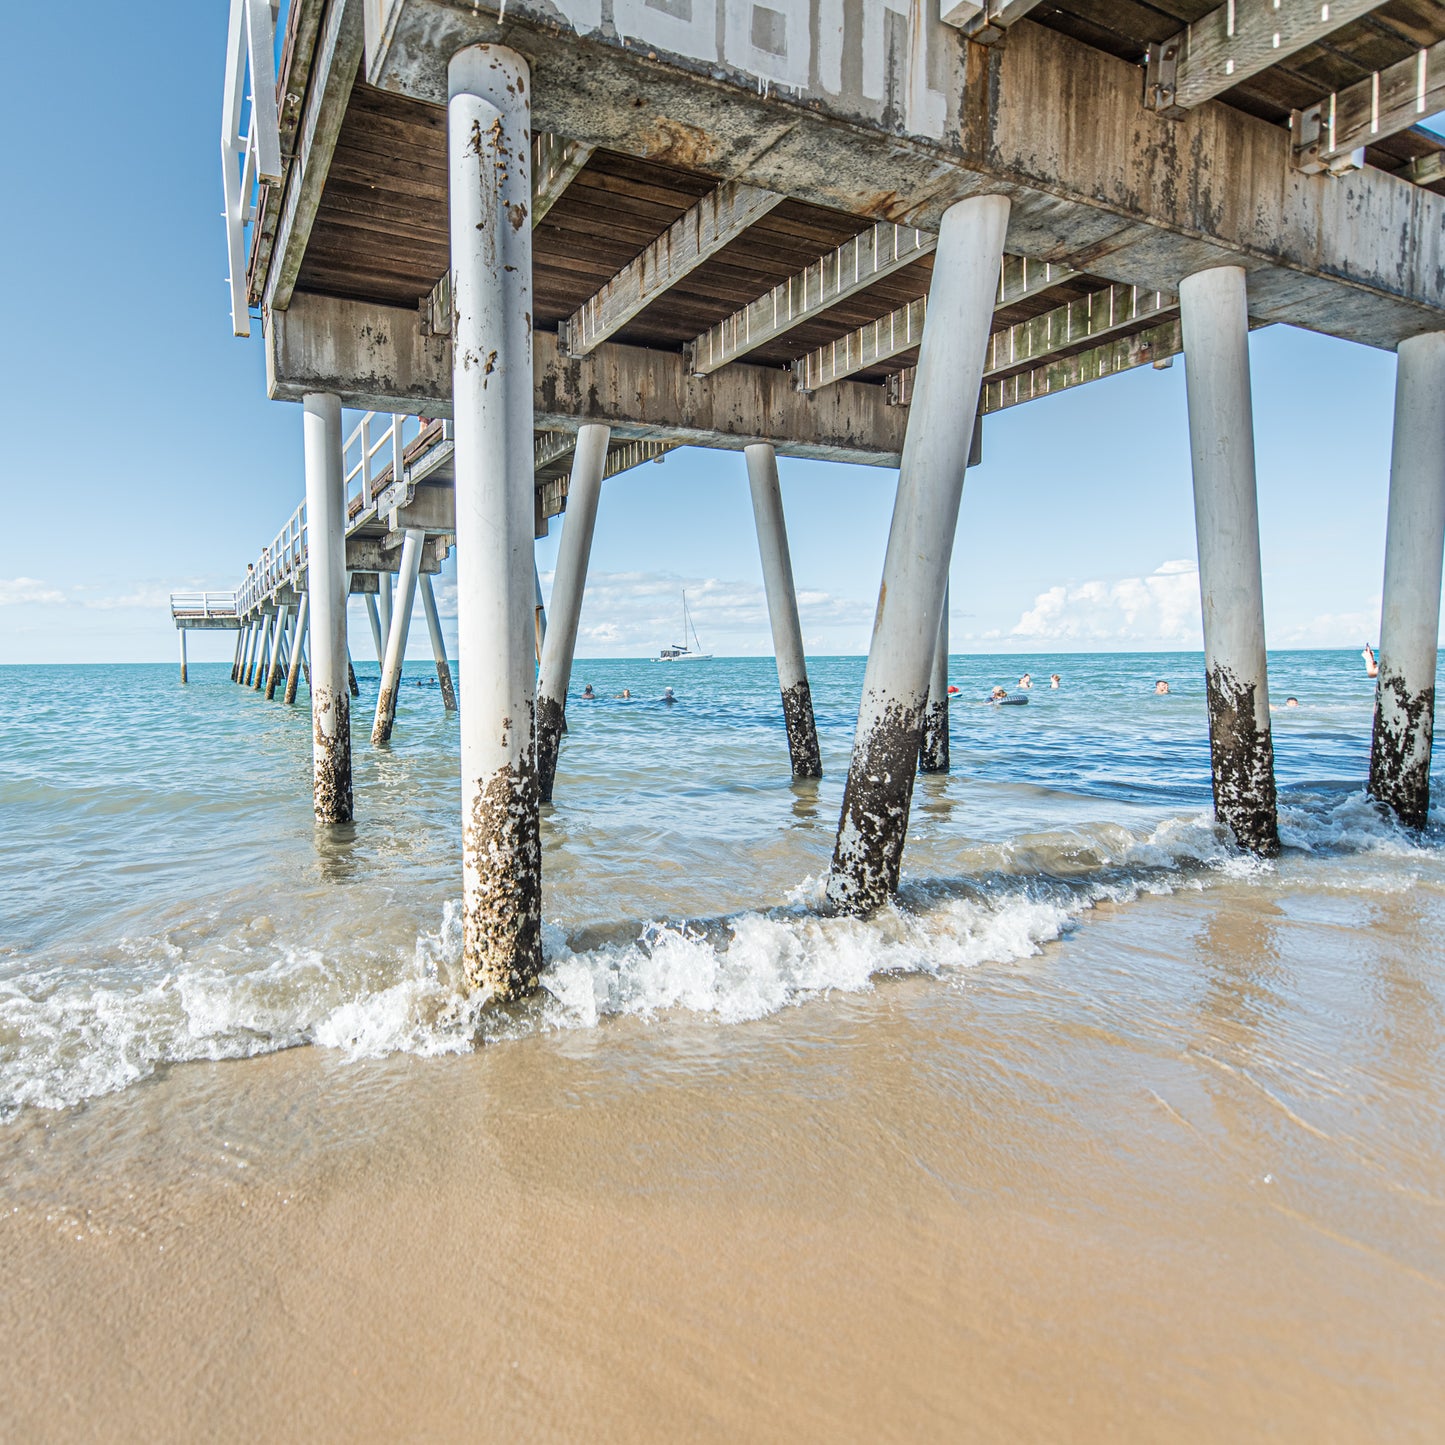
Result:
<point x="378" y="442"/>
<point x="375" y="452"/>
<point x="203" y="604"/>
<point x="253" y="155"/>
<point x="278" y="564"/>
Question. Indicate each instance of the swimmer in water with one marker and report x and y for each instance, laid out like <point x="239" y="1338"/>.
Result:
<point x="1291" y="702"/>
<point x="1372" y="668"/>
<point x="625" y="695"/>
<point x="1161" y="688"/>
<point x="1054" y="680"/>
<point x="1026" y="681"/>
<point x="588" y="695"/>
<point x="998" y="694"/>
<point x="667" y="696"/>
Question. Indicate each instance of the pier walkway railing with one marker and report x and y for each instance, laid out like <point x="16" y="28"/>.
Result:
<point x="205" y="610"/>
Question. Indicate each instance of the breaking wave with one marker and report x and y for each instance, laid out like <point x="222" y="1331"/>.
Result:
<point x="64" y="1038"/>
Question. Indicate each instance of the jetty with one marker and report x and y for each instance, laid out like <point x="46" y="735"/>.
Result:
<point x="538" y="242"/>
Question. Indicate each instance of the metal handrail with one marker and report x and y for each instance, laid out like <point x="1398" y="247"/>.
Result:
<point x="367" y="443"/>
<point x="251" y="155"/>
<point x="285" y="558"/>
<point x="203" y="604"/>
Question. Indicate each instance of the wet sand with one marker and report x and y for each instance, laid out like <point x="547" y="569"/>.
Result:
<point x="1182" y="1176"/>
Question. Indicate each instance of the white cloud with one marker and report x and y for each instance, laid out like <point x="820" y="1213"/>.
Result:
<point x="146" y="596"/>
<point x="638" y="612"/>
<point x="1162" y="607"/>
<point x="17" y="591"/>
<point x="1332" y="629"/>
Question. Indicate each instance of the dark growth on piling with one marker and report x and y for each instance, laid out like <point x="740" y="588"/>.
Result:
<point x="502" y="920"/>
<point x="802" y="731"/>
<point x="1242" y="752"/>
<point x="869" y="854"/>
<point x="551" y="724"/>
<point x="933" y="753"/>
<point x="1400" y="750"/>
<point x="332" y="756"/>
<point x="449" y="692"/>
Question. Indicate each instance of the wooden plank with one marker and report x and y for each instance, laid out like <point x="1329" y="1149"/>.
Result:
<point x="1235" y="41"/>
<point x="336" y="61"/>
<point x="720" y="217"/>
<point x="852" y="267"/>
<point x="901" y="330"/>
<point x="1381" y="105"/>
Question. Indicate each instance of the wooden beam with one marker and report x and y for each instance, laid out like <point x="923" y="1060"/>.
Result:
<point x="902" y="330"/>
<point x="852" y="267"/>
<point x="556" y="163"/>
<point x="1426" y="170"/>
<point x="333" y="73"/>
<point x="376" y="358"/>
<point x="720" y="217"/>
<point x="985" y="23"/>
<point x="1157" y="346"/>
<point x="1329" y="133"/>
<point x="1095" y="315"/>
<point x="1238" y="39"/>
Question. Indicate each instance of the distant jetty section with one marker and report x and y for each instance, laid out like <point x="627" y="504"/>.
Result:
<point x="538" y="243"/>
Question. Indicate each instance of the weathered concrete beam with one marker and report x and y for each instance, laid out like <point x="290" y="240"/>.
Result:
<point x="1234" y="41"/>
<point x="720" y="217"/>
<point x="373" y="555"/>
<point x="375" y="357"/>
<point x="1329" y="134"/>
<point x="852" y="121"/>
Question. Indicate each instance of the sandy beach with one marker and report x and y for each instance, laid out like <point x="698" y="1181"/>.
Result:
<point x="1178" y="1177"/>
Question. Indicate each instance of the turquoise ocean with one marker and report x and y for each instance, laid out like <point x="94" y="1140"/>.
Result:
<point x="167" y="897"/>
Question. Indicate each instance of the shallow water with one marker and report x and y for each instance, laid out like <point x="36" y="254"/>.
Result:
<point x="169" y="897"/>
<point x="1105" y="1132"/>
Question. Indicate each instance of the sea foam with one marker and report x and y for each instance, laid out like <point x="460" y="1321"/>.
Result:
<point x="65" y="1038"/>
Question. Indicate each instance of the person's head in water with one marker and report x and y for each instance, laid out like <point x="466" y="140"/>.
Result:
<point x="1161" y="687"/>
<point x="625" y="693"/>
<point x="998" y="694"/>
<point x="1054" y="679"/>
<point x="1026" y="680"/>
<point x="1291" y="702"/>
<point x="667" y="695"/>
<point x="587" y="693"/>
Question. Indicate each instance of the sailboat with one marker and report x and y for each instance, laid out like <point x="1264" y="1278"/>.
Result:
<point x="681" y="652"/>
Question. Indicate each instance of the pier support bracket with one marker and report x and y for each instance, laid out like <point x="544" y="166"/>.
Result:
<point x="1214" y="314"/>
<point x="1410" y="614"/>
<point x="868" y="856"/>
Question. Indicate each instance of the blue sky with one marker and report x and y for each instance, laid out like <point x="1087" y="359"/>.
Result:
<point x="141" y="453"/>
